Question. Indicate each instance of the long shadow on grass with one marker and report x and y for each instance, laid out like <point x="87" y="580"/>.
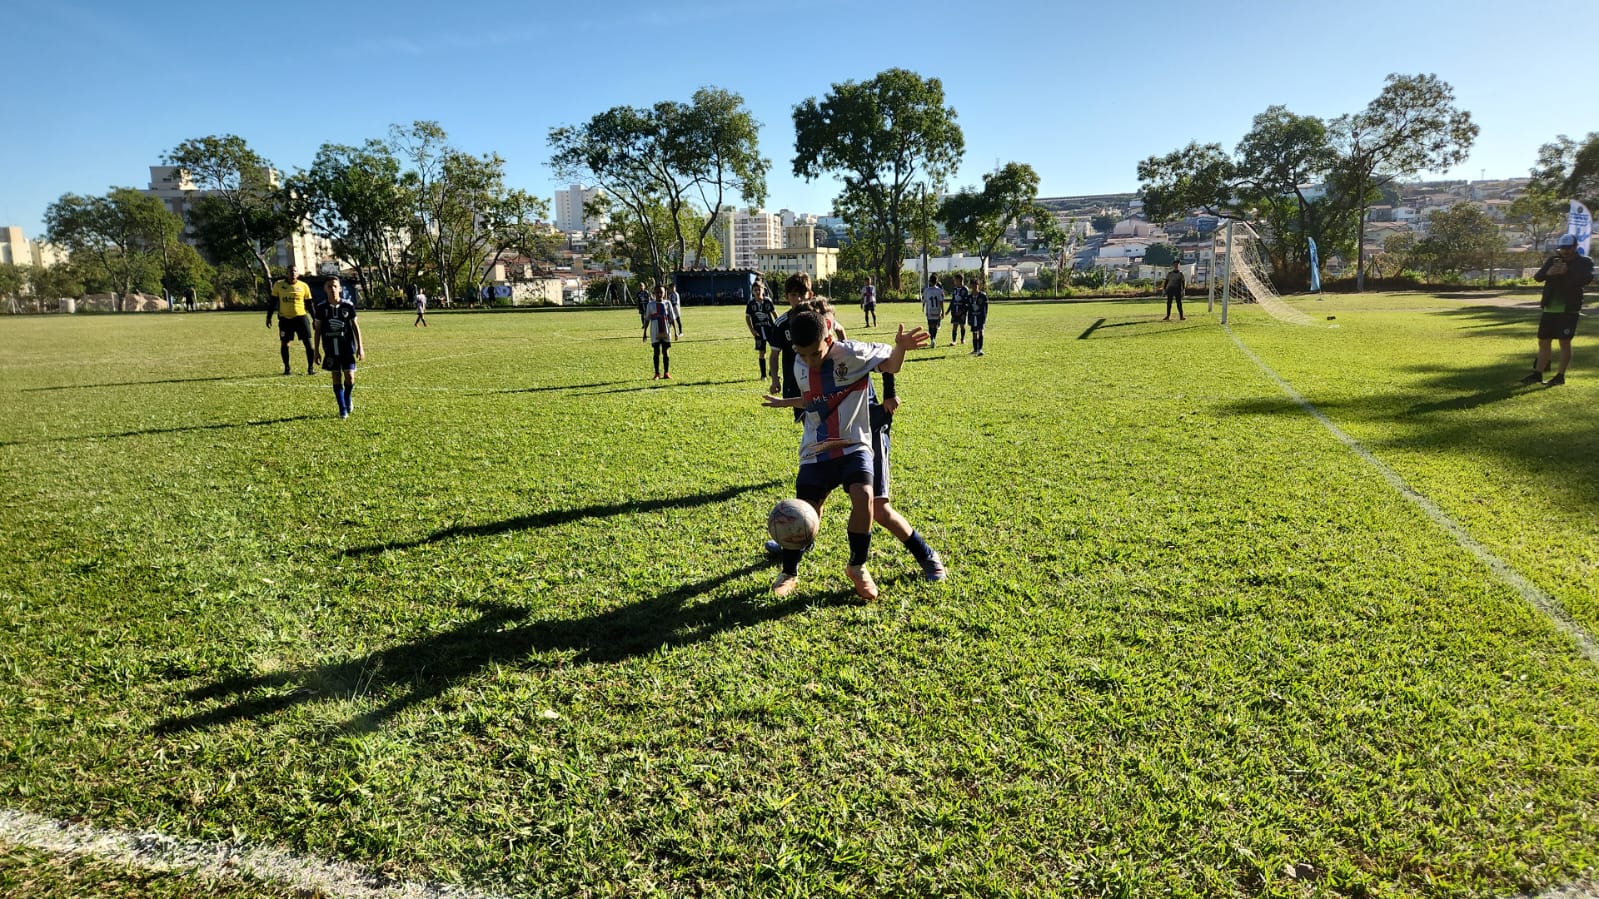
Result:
<point x="149" y="431"/>
<point x="420" y="670"/>
<point x="674" y="383"/>
<point x="554" y="517"/>
<point x="552" y="387"/>
<point x="143" y="383"/>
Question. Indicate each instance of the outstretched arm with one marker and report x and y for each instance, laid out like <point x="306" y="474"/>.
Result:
<point x="904" y="340"/>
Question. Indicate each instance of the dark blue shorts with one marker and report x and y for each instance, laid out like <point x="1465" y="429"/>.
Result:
<point x="817" y="479"/>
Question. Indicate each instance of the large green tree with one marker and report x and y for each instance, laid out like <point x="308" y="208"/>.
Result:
<point x="979" y="220"/>
<point x="243" y="210"/>
<point x="124" y="236"/>
<point x="1412" y="126"/>
<point x="1568" y="170"/>
<point x="684" y="158"/>
<point x="1459" y="239"/>
<point x="354" y="196"/>
<point x="889" y="139"/>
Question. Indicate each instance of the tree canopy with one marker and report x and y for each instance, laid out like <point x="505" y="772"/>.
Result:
<point x="978" y="220"/>
<point x="890" y="139"/>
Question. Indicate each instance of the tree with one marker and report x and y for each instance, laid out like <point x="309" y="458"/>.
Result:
<point x="1538" y="214"/>
<point x="884" y="137"/>
<point x="1411" y="127"/>
<point x="1459" y="239"/>
<point x="1567" y="170"/>
<point x="978" y="220"/>
<point x="1104" y="223"/>
<point x="355" y="198"/>
<point x="682" y="157"/>
<point x="13" y="280"/>
<point x="1161" y="254"/>
<point x="244" y="212"/>
<point x="124" y="235"/>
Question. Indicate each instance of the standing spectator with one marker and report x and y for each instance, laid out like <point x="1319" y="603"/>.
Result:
<point x="659" y="321"/>
<point x="642" y="300"/>
<point x="869" y="303"/>
<point x="977" y="314"/>
<point x="291" y="296"/>
<point x="933" y="306"/>
<point x="1175" y="285"/>
<point x="421" y="309"/>
<point x="1563" y="275"/>
<point x="759" y="316"/>
<point x="957" y="311"/>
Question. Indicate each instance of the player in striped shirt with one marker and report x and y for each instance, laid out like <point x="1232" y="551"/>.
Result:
<point x="836" y="446"/>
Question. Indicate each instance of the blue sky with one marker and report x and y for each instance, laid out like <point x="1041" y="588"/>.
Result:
<point x="1080" y="91"/>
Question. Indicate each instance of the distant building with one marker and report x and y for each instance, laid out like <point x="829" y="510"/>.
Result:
<point x="569" y="209"/>
<point x="17" y="249"/>
<point x="799" y="254"/>
<point x="170" y="185"/>
<point x="746" y="232"/>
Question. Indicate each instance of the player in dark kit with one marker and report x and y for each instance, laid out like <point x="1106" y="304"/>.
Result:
<point x="977" y="315"/>
<point x="759" y="316"/>
<point x="289" y="299"/>
<point x="958" y="306"/>
<point x="340" y="336"/>
<point x="1563" y="275"/>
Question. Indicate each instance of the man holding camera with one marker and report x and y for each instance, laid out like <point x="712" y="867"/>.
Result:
<point x="1563" y="276"/>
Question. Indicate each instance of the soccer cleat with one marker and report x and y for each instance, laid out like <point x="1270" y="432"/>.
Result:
<point x="1534" y="378"/>
<point x="667" y="376"/>
<point x="774" y="550"/>
<point x="286" y="370"/>
<point x="981" y="353"/>
<point x="865" y="587"/>
<point x="933" y="569"/>
<point x="344" y="413"/>
<point x="1555" y="381"/>
<point x="785" y="584"/>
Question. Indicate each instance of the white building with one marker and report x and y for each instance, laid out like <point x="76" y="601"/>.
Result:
<point x="800" y="255"/>
<point x="170" y="185"/>
<point x="746" y="233"/>
<point x="17" y="249"/>
<point x="569" y="209"/>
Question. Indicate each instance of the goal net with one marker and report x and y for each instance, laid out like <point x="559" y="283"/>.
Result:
<point x="1248" y="270"/>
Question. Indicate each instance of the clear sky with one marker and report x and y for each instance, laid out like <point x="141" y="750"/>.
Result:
<point x="1082" y="91"/>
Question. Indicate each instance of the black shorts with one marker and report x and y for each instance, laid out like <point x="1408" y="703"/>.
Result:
<point x="338" y="363"/>
<point x="977" y="322"/>
<point x="760" y="340"/>
<point x="958" y="317"/>
<point x="1557" y="325"/>
<point x="290" y="328"/>
<point x="817" y="479"/>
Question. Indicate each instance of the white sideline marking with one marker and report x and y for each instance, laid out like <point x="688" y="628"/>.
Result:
<point x="151" y="851"/>
<point x="1532" y="593"/>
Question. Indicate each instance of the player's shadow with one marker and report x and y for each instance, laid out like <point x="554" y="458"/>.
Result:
<point x="149" y="431"/>
<point x="406" y="674"/>
<point x="664" y="385"/>
<point x="554" y="387"/>
<point x="142" y="383"/>
<point x="553" y="517"/>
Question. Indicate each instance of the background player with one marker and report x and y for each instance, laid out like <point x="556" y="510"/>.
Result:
<point x="291" y="296"/>
<point x="977" y="314"/>
<point x="340" y="336"/>
<point x="760" y="313"/>
<point x="659" y="320"/>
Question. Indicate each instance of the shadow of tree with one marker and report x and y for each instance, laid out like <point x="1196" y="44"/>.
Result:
<point x="562" y="516"/>
<point x="148" y="431"/>
<point x="143" y="383"/>
<point x="420" y="670"/>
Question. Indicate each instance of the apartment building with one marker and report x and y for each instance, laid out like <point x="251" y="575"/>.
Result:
<point x="745" y="233"/>
<point x="177" y="192"/>
<point x="799" y="254"/>
<point x="569" y="206"/>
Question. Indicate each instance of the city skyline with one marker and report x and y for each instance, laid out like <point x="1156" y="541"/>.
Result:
<point x="1080" y="93"/>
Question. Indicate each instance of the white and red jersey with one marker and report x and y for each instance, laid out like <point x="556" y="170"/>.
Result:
<point x="837" y="396"/>
<point x="660" y="316"/>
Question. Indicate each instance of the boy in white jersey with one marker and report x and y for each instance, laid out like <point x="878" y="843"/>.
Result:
<point x="836" y="446"/>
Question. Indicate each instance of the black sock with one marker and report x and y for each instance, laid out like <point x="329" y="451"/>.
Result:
<point x="285" y="349"/>
<point x="918" y="547"/>
<point x="860" y="546"/>
<point x="791" y="560"/>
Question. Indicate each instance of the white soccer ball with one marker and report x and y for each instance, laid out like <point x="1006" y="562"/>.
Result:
<point x="793" y="524"/>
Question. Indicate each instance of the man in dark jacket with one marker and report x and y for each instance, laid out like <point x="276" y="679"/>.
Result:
<point x="1563" y="276"/>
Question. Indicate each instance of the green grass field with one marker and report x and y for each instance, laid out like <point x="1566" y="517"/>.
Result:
<point x="509" y="627"/>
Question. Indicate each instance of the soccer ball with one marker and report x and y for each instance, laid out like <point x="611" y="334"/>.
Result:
<point x="793" y="524"/>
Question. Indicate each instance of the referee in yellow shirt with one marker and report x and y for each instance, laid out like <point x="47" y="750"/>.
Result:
<point x="292" y="295"/>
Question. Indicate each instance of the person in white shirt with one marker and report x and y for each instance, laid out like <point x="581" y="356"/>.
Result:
<point x="933" y="306"/>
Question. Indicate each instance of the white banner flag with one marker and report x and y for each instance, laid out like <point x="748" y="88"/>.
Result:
<point x="1580" y="222"/>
